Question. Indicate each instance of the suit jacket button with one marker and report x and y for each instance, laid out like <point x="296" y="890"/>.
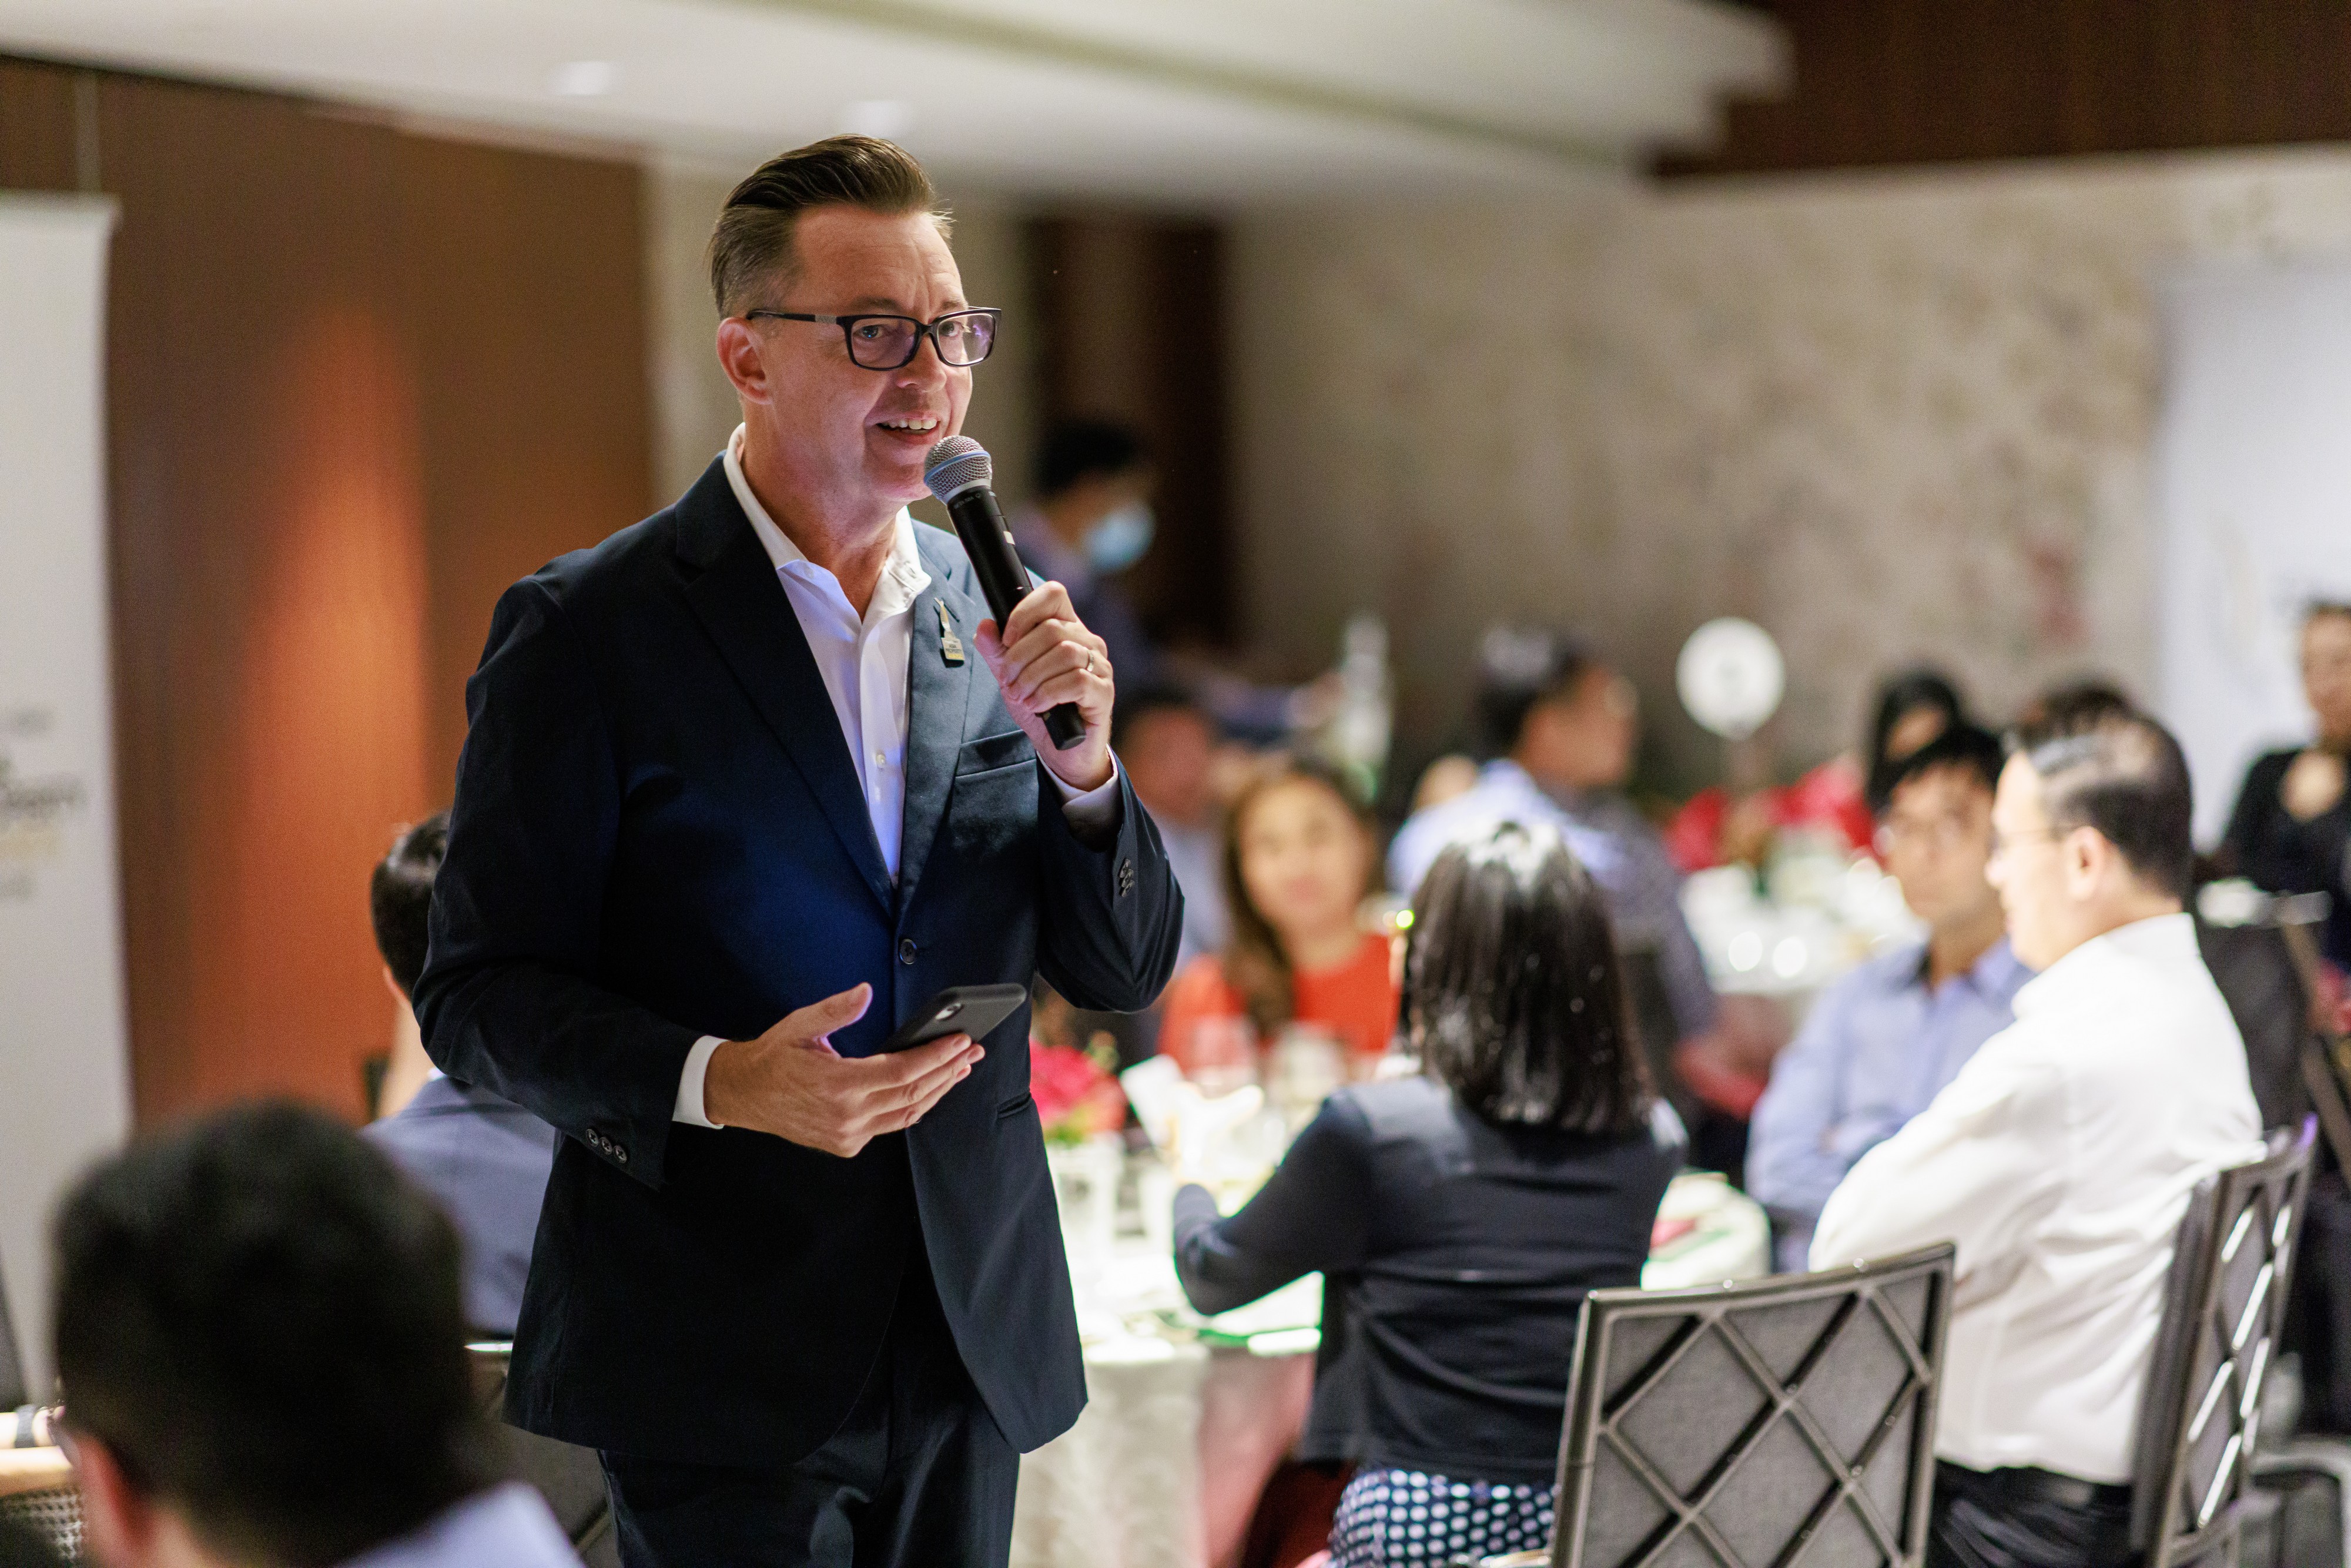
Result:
<point x="619" y="1154"/>
<point x="906" y="951"/>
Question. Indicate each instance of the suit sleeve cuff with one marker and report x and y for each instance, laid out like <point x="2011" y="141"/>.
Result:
<point x="1092" y="814"/>
<point x="689" y="1084"/>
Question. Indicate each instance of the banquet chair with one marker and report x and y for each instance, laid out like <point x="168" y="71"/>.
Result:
<point x="2224" y="1308"/>
<point x="1788" y="1421"/>
<point x="568" y="1477"/>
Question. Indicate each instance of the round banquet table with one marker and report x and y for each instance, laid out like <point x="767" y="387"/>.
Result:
<point x="1186" y="1417"/>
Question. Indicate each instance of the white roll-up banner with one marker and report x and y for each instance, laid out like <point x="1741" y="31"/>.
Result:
<point x="2252" y="499"/>
<point x="65" y="1078"/>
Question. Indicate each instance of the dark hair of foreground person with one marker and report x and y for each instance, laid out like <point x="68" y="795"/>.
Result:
<point x="260" y="1321"/>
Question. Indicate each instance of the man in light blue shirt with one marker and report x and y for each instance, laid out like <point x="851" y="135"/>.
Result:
<point x="1561" y="726"/>
<point x="1883" y="1040"/>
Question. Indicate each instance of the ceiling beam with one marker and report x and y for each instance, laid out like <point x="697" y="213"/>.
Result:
<point x="938" y="22"/>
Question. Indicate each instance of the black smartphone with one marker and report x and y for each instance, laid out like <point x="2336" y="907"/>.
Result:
<point x="958" y="1010"/>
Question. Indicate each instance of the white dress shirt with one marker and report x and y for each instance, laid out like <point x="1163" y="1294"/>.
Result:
<point x="508" y="1525"/>
<point x="2060" y="1160"/>
<point x="862" y="662"/>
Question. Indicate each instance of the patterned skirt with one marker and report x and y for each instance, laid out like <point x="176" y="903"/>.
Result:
<point x="1403" y="1518"/>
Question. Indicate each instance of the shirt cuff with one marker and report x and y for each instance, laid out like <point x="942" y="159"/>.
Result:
<point x="689" y="1084"/>
<point x="1088" y="810"/>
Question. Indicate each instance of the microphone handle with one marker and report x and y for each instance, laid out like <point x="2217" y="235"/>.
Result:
<point x="1004" y="583"/>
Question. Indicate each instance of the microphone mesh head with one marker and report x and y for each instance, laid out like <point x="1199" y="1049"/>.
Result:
<point x="956" y="464"/>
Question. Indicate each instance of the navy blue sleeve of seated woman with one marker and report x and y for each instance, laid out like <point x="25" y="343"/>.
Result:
<point x="1314" y="1212"/>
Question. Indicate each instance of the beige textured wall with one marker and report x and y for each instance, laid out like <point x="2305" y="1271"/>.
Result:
<point x="694" y="406"/>
<point x="1889" y="417"/>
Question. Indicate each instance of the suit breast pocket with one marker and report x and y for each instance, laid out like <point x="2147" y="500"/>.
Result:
<point x="992" y="808"/>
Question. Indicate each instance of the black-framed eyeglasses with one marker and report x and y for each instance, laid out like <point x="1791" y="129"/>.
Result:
<point x="961" y="338"/>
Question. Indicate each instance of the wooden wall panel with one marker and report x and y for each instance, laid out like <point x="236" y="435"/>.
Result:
<point x="1132" y="328"/>
<point x="1882" y="82"/>
<point x="358" y="380"/>
<point x="268" y="533"/>
<point x="36" y="127"/>
<point x="525" y="280"/>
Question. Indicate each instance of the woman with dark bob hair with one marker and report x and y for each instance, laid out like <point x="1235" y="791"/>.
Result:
<point x="1458" y="1217"/>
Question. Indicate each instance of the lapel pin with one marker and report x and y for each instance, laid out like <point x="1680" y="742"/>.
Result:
<point x="950" y="646"/>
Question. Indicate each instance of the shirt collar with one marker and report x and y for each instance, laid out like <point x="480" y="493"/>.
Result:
<point x="2163" y="942"/>
<point x="1995" y="970"/>
<point x="508" y="1525"/>
<point x="903" y="576"/>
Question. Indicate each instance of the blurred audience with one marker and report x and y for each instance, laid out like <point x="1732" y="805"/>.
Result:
<point x="484" y="1157"/>
<point x="1561" y="726"/>
<point x="260" y="1340"/>
<point x="1091" y="522"/>
<point x="1168" y="745"/>
<point x="2062" y="1156"/>
<point x="1460" y="1216"/>
<point x="1882" y="1041"/>
<point x="2290" y="830"/>
<point x="1913" y="708"/>
<point x="1300" y="856"/>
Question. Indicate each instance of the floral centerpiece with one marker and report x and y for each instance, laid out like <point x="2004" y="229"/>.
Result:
<point x="1077" y="1093"/>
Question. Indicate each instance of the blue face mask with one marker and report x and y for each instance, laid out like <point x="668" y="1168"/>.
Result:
<point x="1121" y="539"/>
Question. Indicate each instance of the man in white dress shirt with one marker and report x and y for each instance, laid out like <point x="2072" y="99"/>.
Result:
<point x="2061" y="1157"/>
<point x="260" y="1342"/>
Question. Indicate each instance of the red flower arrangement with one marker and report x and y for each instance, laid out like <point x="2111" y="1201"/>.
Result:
<point x="1076" y="1095"/>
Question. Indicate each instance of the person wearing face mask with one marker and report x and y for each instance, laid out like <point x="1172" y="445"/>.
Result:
<point x="1091" y="523"/>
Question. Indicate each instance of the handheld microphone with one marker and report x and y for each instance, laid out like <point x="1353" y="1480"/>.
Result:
<point x="960" y="473"/>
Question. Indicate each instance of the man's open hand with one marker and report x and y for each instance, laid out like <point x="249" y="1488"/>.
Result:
<point x="1044" y="657"/>
<point x="790" y="1081"/>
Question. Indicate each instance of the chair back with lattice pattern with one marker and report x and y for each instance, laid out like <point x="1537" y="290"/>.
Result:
<point x="2224" y="1310"/>
<point x="1789" y="1421"/>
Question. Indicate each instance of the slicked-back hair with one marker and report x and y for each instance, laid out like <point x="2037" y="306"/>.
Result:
<point x="1514" y="992"/>
<point x="2123" y="774"/>
<point x="1966" y="747"/>
<point x="400" y="897"/>
<point x="261" y="1320"/>
<point x="751" y="248"/>
<point x="2072" y="708"/>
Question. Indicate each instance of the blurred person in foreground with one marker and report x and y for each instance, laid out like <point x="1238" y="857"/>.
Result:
<point x="1459" y="1216"/>
<point x="2290" y="830"/>
<point x="1169" y="745"/>
<point x="2062" y="1156"/>
<point x="744" y="786"/>
<point x="1882" y="1041"/>
<point x="261" y="1348"/>
<point x="484" y="1158"/>
<point x="1299" y="856"/>
<point x="1559" y="726"/>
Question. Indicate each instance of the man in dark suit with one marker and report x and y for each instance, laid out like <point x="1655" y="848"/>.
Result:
<point x="738" y="797"/>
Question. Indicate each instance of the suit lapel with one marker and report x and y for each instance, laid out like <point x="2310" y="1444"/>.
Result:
<point x="747" y="614"/>
<point x="938" y="696"/>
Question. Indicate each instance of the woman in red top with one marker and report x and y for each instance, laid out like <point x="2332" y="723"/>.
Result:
<point x="1300" y="856"/>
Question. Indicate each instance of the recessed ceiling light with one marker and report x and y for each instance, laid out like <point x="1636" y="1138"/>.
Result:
<point x="887" y="118"/>
<point x="583" y="79"/>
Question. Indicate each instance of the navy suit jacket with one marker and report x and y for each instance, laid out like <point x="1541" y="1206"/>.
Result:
<point x="485" y="1161"/>
<point x="659" y="834"/>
